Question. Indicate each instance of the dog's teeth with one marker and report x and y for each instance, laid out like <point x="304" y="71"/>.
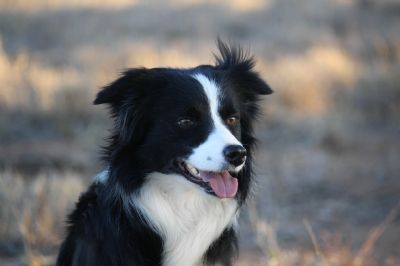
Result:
<point x="192" y="170"/>
<point x="195" y="172"/>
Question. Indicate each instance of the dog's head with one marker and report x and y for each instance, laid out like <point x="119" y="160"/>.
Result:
<point x="195" y="122"/>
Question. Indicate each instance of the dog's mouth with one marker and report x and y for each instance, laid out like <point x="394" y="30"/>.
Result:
<point x="221" y="184"/>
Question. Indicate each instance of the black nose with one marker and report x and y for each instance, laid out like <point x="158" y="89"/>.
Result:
<point x="235" y="154"/>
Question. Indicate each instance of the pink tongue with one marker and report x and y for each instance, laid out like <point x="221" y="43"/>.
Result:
<point x="223" y="184"/>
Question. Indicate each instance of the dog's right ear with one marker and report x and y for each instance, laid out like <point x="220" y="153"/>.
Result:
<point x="127" y="98"/>
<point x="123" y="89"/>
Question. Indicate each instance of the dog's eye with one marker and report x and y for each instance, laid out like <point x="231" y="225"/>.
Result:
<point x="232" y="121"/>
<point x="185" y="123"/>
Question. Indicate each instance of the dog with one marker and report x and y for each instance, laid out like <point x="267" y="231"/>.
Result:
<point x="178" y="167"/>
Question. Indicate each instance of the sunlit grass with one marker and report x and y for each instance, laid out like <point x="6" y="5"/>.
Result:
<point x="312" y="75"/>
<point x="27" y="82"/>
<point x="36" y="5"/>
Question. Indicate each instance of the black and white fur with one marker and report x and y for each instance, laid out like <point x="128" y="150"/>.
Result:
<point x="147" y="207"/>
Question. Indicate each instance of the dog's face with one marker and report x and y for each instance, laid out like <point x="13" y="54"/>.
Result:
<point x="193" y="122"/>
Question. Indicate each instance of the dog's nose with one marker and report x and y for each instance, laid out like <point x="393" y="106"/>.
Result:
<point x="235" y="154"/>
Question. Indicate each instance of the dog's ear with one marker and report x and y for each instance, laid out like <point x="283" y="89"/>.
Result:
<point x="127" y="97"/>
<point x="239" y="64"/>
<point x="129" y="84"/>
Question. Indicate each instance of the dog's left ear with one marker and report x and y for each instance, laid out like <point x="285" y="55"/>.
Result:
<point x="249" y="83"/>
<point x="238" y="65"/>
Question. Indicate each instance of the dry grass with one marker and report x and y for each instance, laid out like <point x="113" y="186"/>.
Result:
<point x="37" y="85"/>
<point x="37" y="5"/>
<point x="33" y="210"/>
<point x="333" y="251"/>
<point x="312" y="77"/>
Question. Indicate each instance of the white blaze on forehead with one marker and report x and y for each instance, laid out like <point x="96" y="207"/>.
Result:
<point x="212" y="92"/>
<point x="209" y="155"/>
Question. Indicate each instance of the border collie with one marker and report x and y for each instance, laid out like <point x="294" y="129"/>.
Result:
<point x="178" y="167"/>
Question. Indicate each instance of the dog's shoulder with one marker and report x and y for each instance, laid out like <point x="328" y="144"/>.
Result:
<point x="86" y="204"/>
<point x="78" y="245"/>
<point x="101" y="232"/>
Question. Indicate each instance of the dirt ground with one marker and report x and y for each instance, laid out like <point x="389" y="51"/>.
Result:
<point x="328" y="182"/>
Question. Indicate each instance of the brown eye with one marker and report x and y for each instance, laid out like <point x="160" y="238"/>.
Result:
<point x="185" y="123"/>
<point x="232" y="121"/>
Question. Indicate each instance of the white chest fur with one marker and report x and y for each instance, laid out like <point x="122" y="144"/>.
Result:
<point x="188" y="219"/>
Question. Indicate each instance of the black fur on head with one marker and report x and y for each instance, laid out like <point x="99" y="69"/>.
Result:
<point x="145" y="104"/>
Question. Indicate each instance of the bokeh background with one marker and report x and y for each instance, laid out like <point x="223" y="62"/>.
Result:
<point x="328" y="162"/>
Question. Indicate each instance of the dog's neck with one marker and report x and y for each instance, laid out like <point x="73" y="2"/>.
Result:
<point x="187" y="219"/>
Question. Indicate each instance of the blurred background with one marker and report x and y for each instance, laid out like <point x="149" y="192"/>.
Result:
<point x="328" y="162"/>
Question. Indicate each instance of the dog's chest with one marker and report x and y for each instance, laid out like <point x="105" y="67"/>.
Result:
<point x="188" y="219"/>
